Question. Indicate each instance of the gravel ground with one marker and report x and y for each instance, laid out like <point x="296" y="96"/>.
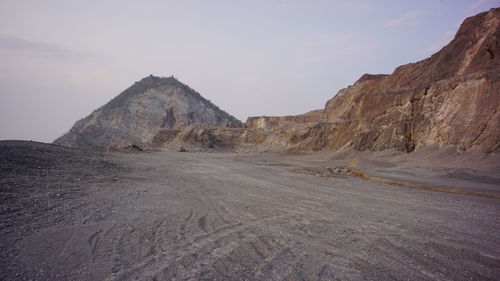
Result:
<point x="69" y="214"/>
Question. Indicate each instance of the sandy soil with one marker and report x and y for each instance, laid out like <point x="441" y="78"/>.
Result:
<point x="70" y="214"/>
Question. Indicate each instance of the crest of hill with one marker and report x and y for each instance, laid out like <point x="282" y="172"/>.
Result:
<point x="151" y="82"/>
<point x="135" y="115"/>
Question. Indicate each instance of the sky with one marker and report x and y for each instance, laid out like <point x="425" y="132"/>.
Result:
<point x="60" y="60"/>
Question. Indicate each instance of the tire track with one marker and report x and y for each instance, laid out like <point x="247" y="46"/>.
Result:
<point x="322" y="272"/>
<point x="278" y="265"/>
<point x="93" y="243"/>
<point x="403" y="258"/>
<point x="182" y="227"/>
<point x="208" y="243"/>
<point x="65" y="243"/>
<point x="217" y="211"/>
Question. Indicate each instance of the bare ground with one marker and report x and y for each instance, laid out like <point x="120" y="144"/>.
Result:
<point x="87" y="215"/>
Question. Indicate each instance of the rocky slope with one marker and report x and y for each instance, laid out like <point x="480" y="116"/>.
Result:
<point x="138" y="113"/>
<point x="449" y="99"/>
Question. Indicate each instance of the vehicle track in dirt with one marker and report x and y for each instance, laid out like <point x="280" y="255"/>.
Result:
<point x="208" y="216"/>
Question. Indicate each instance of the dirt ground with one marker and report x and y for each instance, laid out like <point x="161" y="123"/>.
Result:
<point x="69" y="214"/>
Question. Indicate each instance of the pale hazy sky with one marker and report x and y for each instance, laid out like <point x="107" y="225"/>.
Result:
<point x="59" y="60"/>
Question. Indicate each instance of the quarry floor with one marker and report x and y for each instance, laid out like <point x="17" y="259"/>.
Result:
<point x="68" y="214"/>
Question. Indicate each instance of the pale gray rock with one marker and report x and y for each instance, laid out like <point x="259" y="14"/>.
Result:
<point x="139" y="112"/>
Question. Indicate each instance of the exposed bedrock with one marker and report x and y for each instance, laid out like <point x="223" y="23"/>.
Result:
<point x="450" y="99"/>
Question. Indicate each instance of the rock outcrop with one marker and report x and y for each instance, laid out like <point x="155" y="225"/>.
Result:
<point x="283" y="133"/>
<point x="138" y="113"/>
<point x="200" y="136"/>
<point x="449" y="99"/>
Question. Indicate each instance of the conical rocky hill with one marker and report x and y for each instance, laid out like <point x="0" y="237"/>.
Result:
<point x="139" y="112"/>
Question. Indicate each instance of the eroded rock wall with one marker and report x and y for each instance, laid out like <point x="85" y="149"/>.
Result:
<point x="449" y="99"/>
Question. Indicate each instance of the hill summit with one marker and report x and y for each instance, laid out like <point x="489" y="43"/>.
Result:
<point x="139" y="112"/>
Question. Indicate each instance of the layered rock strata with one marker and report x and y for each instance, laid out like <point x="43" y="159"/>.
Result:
<point x="449" y="99"/>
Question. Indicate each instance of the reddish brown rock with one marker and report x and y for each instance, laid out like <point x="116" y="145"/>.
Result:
<point x="449" y="99"/>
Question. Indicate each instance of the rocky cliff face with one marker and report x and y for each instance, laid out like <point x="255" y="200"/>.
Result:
<point x="282" y="133"/>
<point x="449" y="99"/>
<point x="138" y="113"/>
